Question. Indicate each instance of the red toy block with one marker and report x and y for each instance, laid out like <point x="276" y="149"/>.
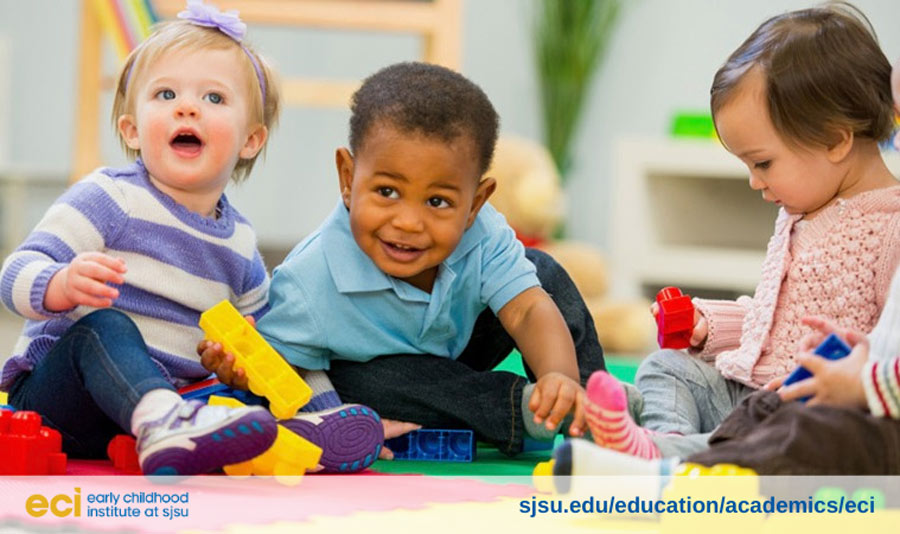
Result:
<point x="675" y="321"/>
<point x="122" y="451"/>
<point x="27" y="448"/>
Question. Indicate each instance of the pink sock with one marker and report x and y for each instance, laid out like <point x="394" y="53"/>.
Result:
<point x="611" y="425"/>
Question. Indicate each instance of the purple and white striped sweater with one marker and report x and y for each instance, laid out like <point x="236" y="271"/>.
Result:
<point x="179" y="264"/>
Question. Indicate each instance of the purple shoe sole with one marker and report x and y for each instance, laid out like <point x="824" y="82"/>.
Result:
<point x="237" y="441"/>
<point x="350" y="436"/>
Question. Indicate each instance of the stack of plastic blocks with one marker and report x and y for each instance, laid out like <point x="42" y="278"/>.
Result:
<point x="27" y="448"/>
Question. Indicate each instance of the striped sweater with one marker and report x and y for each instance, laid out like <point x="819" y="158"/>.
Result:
<point x="881" y="375"/>
<point x="179" y="264"/>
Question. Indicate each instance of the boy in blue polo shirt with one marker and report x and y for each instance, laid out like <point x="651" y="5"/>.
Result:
<point x="414" y="287"/>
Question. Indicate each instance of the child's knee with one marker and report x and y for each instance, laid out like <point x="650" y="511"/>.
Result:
<point x="665" y="362"/>
<point x="108" y="321"/>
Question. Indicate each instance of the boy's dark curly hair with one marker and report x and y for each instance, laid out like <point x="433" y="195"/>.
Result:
<point x="427" y="99"/>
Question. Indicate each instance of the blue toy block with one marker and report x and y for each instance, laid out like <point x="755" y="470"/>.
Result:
<point x="832" y="348"/>
<point x="203" y="390"/>
<point x="7" y="407"/>
<point x="434" y="445"/>
<point x="203" y="393"/>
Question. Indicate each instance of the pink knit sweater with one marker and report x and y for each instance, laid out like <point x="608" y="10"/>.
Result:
<point x="838" y="266"/>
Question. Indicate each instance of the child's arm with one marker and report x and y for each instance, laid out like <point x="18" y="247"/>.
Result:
<point x="881" y="380"/>
<point x="718" y="326"/>
<point x="254" y="297"/>
<point x="60" y="264"/>
<point x="540" y="332"/>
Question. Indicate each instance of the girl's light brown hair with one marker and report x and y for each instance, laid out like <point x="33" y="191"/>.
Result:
<point x="824" y="73"/>
<point x="183" y="35"/>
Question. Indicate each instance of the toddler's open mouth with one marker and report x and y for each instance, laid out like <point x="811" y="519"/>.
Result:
<point x="400" y="251"/>
<point x="186" y="143"/>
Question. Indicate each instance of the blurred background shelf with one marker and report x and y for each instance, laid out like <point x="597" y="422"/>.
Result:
<point x="684" y="215"/>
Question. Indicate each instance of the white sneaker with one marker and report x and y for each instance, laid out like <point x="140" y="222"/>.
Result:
<point x="195" y="438"/>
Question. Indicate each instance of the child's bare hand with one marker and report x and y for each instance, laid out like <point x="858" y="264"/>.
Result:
<point x="84" y="282"/>
<point x="775" y="383"/>
<point x="833" y="382"/>
<point x="393" y="429"/>
<point x="556" y="395"/>
<point x="822" y="328"/>
<point x="214" y="358"/>
<point x="701" y="327"/>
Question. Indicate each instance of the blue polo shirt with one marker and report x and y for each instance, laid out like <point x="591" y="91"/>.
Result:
<point x="330" y="301"/>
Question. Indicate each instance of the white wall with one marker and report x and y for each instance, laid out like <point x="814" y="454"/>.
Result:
<point x="662" y="58"/>
<point x="5" y="99"/>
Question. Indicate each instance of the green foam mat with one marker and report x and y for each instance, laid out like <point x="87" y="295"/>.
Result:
<point x="621" y="367"/>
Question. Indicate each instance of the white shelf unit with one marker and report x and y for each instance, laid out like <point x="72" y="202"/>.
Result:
<point x="684" y="215"/>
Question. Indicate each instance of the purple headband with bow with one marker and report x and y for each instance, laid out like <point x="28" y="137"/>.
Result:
<point x="230" y="24"/>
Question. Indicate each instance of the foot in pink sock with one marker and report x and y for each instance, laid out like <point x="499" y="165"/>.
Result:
<point x="611" y="426"/>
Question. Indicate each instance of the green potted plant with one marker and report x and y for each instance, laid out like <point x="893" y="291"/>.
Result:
<point x="570" y="39"/>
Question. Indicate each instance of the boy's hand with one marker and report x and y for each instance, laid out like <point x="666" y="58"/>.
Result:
<point x="84" y="282"/>
<point x="833" y="382"/>
<point x="701" y="327"/>
<point x="555" y="395"/>
<point x="216" y="360"/>
<point x="393" y="429"/>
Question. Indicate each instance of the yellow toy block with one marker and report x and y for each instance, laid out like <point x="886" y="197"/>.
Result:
<point x="289" y="456"/>
<point x="268" y="374"/>
<point x="541" y="476"/>
<point x="720" y="470"/>
<point x="3" y="397"/>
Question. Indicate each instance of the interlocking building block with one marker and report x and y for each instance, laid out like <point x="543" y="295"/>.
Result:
<point x="27" y="448"/>
<point x="675" y="320"/>
<point x="123" y="453"/>
<point x="833" y="348"/>
<point x="434" y="445"/>
<point x="289" y="456"/>
<point x="203" y="389"/>
<point x="268" y="374"/>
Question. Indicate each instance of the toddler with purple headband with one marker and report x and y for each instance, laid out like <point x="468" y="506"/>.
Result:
<point x="114" y="277"/>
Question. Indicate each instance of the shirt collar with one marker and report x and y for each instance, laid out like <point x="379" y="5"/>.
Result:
<point x="350" y="268"/>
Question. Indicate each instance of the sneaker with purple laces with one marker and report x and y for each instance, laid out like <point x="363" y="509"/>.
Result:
<point x="350" y="436"/>
<point x="194" y="438"/>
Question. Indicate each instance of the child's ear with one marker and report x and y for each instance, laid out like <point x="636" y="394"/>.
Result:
<point x="344" y="162"/>
<point x="129" y="132"/>
<point x="839" y="150"/>
<point x="255" y="141"/>
<point x="484" y="191"/>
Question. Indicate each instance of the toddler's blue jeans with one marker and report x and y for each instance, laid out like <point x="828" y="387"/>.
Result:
<point x="439" y="392"/>
<point x="87" y="386"/>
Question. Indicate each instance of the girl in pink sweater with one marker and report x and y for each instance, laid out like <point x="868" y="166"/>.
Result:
<point x="803" y="102"/>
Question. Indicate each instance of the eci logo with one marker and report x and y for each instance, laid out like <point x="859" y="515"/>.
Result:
<point x="61" y="505"/>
